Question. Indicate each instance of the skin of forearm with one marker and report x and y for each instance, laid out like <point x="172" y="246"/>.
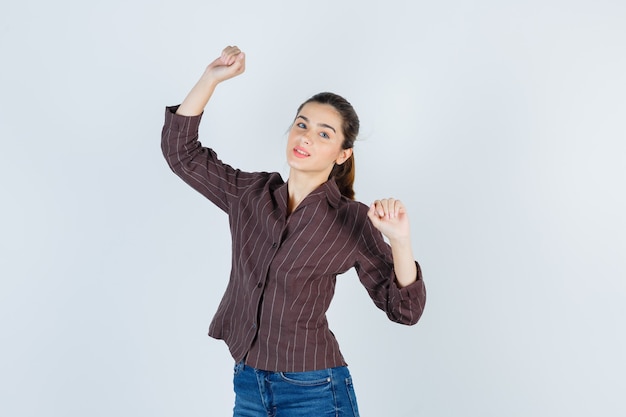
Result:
<point x="198" y="97"/>
<point x="403" y="262"/>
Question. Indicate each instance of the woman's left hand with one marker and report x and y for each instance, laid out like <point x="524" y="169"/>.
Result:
<point x="389" y="216"/>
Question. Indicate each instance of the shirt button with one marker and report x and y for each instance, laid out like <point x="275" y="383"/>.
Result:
<point x="274" y="245"/>
<point x="259" y="285"/>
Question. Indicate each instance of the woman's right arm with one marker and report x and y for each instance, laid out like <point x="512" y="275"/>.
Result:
<point x="231" y="63"/>
<point x="196" y="165"/>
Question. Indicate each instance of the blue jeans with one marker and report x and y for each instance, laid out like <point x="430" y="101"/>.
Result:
<point x="324" y="393"/>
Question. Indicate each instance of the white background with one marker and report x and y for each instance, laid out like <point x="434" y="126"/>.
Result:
<point x="501" y="125"/>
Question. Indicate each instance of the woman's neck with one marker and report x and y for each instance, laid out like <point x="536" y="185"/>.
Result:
<point x="300" y="186"/>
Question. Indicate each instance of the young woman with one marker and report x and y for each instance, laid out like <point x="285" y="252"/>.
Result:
<point x="289" y="242"/>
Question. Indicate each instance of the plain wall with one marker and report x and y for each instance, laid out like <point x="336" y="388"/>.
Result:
<point x="501" y="125"/>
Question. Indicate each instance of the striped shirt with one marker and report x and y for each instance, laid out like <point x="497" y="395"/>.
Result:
<point x="284" y="266"/>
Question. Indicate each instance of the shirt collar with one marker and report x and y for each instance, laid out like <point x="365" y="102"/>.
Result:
<point x="328" y="190"/>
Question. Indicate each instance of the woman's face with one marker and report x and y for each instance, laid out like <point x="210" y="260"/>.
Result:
<point x="315" y="139"/>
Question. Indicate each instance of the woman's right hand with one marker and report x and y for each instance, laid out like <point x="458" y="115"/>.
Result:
<point x="231" y="63"/>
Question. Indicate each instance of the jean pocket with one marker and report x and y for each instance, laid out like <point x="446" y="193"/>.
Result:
<point x="238" y="368"/>
<point x="309" y="378"/>
<point x="352" y="396"/>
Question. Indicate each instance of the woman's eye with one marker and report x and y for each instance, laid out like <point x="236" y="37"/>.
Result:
<point x="301" y="125"/>
<point x="324" y="135"/>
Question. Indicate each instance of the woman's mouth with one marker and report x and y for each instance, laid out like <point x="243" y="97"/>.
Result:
<point x="300" y="153"/>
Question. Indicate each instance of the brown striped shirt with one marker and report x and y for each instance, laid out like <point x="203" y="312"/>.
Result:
<point x="284" y="267"/>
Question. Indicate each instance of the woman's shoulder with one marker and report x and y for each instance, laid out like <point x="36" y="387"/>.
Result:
<point x="353" y="205"/>
<point x="355" y="210"/>
<point x="262" y="179"/>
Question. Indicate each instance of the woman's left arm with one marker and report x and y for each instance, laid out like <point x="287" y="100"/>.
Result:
<point x="389" y="216"/>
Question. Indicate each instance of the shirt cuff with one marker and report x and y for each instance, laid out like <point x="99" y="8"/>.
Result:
<point x="180" y="123"/>
<point x="416" y="288"/>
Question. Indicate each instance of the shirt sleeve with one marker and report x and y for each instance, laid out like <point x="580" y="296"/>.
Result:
<point x="199" y="166"/>
<point x="376" y="273"/>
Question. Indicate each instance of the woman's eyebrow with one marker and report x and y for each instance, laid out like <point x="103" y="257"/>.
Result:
<point x="319" y="124"/>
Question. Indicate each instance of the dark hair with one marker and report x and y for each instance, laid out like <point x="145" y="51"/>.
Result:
<point x="343" y="174"/>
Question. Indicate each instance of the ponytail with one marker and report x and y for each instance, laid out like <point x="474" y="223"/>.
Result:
<point x="344" y="177"/>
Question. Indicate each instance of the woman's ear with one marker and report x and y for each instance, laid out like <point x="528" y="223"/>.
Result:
<point x="343" y="156"/>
